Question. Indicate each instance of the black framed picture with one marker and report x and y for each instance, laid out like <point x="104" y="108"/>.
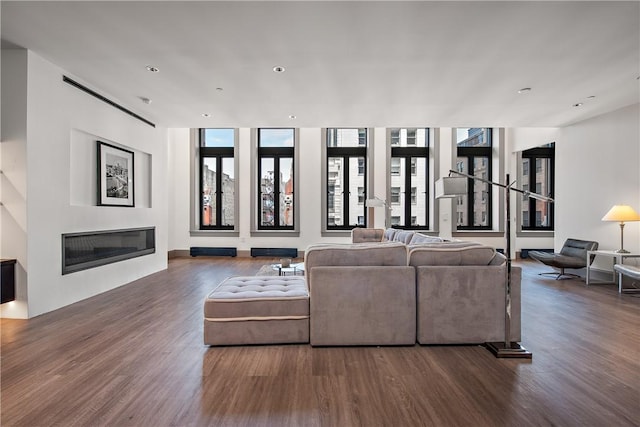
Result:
<point x="115" y="176"/>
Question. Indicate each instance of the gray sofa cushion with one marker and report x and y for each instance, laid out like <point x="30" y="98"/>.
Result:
<point x="364" y="235"/>
<point x="360" y="254"/>
<point x="465" y="305"/>
<point x="451" y="255"/>
<point x="370" y="305"/>
<point x="258" y="297"/>
<point x="403" y="236"/>
<point x="419" y="238"/>
<point x="389" y="233"/>
<point x="445" y="244"/>
<point x="257" y="310"/>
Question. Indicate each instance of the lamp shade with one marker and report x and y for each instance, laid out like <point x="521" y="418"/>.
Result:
<point x="621" y="213"/>
<point x="374" y="203"/>
<point x="451" y="186"/>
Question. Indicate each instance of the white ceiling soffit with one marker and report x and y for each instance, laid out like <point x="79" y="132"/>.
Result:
<point x="347" y="63"/>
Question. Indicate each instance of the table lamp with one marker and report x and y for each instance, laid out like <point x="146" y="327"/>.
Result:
<point x="622" y="214"/>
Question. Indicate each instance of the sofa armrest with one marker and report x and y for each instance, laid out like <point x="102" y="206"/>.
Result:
<point x="369" y="305"/>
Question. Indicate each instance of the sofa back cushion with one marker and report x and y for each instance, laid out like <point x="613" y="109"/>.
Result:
<point x="361" y="254"/>
<point x="419" y="238"/>
<point x="388" y="234"/>
<point x="451" y="254"/>
<point x="403" y="236"/>
<point x="498" y="259"/>
<point x="363" y="235"/>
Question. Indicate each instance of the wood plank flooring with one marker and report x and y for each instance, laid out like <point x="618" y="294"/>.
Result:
<point x="134" y="356"/>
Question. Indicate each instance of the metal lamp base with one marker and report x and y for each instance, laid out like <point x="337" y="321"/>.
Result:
<point x="622" y="251"/>
<point x="513" y="351"/>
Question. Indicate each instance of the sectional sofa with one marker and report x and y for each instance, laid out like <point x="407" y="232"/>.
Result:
<point x="388" y="287"/>
<point x="396" y="287"/>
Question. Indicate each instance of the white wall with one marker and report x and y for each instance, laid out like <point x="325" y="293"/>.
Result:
<point x="520" y="139"/>
<point x="598" y="166"/>
<point x="63" y="124"/>
<point x="13" y="181"/>
<point x="178" y="156"/>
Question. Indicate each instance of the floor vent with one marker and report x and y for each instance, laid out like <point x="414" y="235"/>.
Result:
<point x="275" y="252"/>
<point x="524" y="253"/>
<point x="203" y="251"/>
<point x="105" y="99"/>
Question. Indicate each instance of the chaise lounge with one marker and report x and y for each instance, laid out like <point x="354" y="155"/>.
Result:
<point x="572" y="255"/>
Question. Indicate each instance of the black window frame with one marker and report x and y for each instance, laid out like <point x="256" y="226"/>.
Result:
<point x="218" y="153"/>
<point x="533" y="155"/>
<point x="406" y="154"/>
<point x="471" y="153"/>
<point x="276" y="153"/>
<point x="345" y="153"/>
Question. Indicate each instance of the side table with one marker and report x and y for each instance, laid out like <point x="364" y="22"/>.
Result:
<point x="615" y="256"/>
<point x="296" y="268"/>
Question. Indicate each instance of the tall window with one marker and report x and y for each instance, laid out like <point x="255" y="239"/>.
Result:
<point x="409" y="199"/>
<point x="276" y="179"/>
<point x="346" y="178"/>
<point x="217" y="179"/>
<point x="537" y="173"/>
<point x="474" y="158"/>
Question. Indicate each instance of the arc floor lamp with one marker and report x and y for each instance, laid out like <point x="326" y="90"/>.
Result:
<point x="453" y="186"/>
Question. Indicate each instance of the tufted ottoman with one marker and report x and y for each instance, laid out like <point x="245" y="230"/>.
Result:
<point x="257" y="310"/>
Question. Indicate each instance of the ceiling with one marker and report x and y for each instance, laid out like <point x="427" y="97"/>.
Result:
<point x="365" y="64"/>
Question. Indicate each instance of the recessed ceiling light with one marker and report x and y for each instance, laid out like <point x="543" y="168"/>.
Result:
<point x="591" y="96"/>
<point x="219" y="89"/>
<point x="206" y="115"/>
<point x="292" y="117"/>
<point x="145" y="100"/>
<point x="153" y="69"/>
<point x="524" y="90"/>
<point x="579" y="104"/>
<point x="278" y="69"/>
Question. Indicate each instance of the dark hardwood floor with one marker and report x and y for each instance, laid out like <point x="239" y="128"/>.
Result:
<point x="134" y="356"/>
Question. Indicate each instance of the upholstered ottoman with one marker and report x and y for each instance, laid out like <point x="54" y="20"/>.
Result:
<point x="257" y="310"/>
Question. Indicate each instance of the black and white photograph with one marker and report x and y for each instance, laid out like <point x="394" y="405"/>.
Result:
<point x="115" y="176"/>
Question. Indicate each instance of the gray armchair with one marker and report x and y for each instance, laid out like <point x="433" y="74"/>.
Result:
<point x="572" y="255"/>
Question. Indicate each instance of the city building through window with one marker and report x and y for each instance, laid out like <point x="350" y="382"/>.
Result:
<point x="276" y="149"/>
<point x="346" y="178"/>
<point x="537" y="174"/>
<point x="474" y="147"/>
<point x="409" y="166"/>
<point x="217" y="179"/>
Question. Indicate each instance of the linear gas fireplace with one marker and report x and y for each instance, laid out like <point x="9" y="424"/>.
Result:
<point x="81" y="251"/>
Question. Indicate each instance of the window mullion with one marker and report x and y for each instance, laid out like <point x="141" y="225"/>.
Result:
<point x="218" y="212"/>
<point x="276" y="191"/>
<point x="407" y="191"/>
<point x="470" y="193"/>
<point x="201" y="189"/>
<point x="532" y="186"/>
<point x="345" y="191"/>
